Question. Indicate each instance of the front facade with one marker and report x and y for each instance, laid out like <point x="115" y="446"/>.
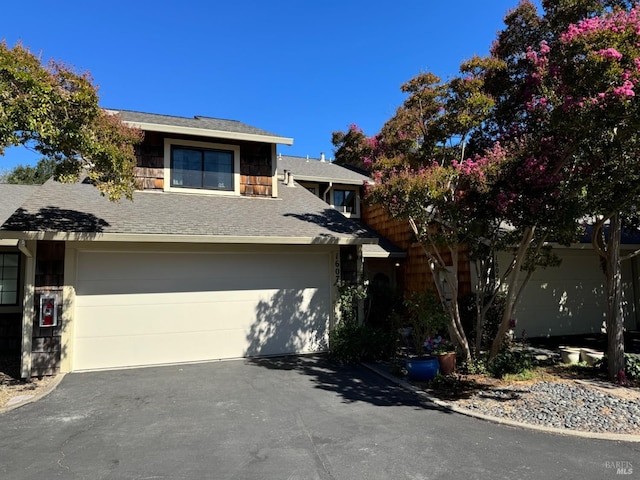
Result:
<point x="215" y="258"/>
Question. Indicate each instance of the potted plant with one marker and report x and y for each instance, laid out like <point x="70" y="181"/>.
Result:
<point x="444" y="351"/>
<point x="426" y="318"/>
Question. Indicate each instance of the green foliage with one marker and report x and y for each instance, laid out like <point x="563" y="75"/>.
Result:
<point x="54" y="111"/>
<point x="476" y="366"/>
<point x="631" y="365"/>
<point x="353" y="343"/>
<point x="510" y="361"/>
<point x="349" y="295"/>
<point x="426" y="317"/>
<point x="28" y="175"/>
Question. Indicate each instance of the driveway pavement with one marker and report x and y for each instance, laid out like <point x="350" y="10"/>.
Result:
<point x="294" y="418"/>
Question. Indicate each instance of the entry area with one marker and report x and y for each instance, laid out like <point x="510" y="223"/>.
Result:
<point x="152" y="308"/>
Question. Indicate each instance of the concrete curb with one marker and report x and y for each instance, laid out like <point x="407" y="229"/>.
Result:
<point x="50" y="388"/>
<point x="451" y="406"/>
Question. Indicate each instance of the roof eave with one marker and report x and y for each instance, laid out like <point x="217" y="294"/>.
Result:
<point x="309" y="178"/>
<point x="205" y="132"/>
<point x="168" y="238"/>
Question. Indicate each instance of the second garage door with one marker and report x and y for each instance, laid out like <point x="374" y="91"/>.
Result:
<point x="136" y="309"/>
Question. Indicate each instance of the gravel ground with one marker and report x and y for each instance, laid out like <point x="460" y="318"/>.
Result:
<point x="13" y="389"/>
<point x="561" y="404"/>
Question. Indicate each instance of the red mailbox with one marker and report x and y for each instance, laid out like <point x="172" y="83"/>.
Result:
<point x="48" y="311"/>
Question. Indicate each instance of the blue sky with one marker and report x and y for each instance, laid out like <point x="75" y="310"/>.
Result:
<point x="297" y="68"/>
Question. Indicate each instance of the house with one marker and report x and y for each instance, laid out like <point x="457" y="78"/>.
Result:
<point x="343" y="189"/>
<point x="571" y="299"/>
<point x="215" y="257"/>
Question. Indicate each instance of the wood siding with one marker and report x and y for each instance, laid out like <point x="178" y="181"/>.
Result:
<point x="46" y="346"/>
<point x="414" y="275"/>
<point x="256" y="163"/>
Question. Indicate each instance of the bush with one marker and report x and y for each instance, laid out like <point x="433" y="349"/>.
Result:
<point x="352" y="343"/>
<point x="510" y="361"/>
<point x="426" y="317"/>
<point x="631" y="365"/>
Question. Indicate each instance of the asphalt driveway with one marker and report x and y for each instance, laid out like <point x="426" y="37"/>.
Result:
<point x="293" y="418"/>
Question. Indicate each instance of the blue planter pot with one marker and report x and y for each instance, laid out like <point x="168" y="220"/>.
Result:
<point x="422" y="368"/>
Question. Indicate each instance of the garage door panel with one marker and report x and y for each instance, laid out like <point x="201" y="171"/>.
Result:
<point x="131" y="320"/>
<point x="564" y="300"/>
<point x="187" y="272"/>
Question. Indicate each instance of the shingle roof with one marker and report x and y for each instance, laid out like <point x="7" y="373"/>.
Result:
<point x="13" y="196"/>
<point x="311" y="169"/>
<point x="216" y="126"/>
<point x="79" y="208"/>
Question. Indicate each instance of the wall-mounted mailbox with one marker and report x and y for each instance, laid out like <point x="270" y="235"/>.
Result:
<point x="48" y="310"/>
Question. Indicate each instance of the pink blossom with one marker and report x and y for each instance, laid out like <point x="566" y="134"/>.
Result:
<point x="544" y="48"/>
<point x="610" y="53"/>
<point x="626" y="90"/>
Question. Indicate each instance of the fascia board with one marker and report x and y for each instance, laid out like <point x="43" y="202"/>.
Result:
<point x="338" y="181"/>
<point x="164" y="238"/>
<point x="204" y="132"/>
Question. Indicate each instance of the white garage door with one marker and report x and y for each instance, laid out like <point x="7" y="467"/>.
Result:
<point x="137" y="309"/>
<point x="569" y="299"/>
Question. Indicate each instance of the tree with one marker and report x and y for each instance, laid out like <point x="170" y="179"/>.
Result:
<point x="54" y="111"/>
<point x="551" y="120"/>
<point x="588" y="81"/>
<point x="28" y="175"/>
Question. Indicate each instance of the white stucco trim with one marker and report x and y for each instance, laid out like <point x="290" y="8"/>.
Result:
<point x="28" y="311"/>
<point x="198" y="239"/>
<point x="204" y="132"/>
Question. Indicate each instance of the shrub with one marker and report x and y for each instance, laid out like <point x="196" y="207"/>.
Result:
<point x="353" y="343"/>
<point x="510" y="361"/>
<point x="426" y="317"/>
<point x="631" y="365"/>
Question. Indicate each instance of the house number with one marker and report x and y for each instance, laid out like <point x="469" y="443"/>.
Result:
<point x="337" y="268"/>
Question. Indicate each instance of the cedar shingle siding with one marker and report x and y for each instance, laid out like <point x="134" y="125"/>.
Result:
<point x="416" y="276"/>
<point x="255" y="163"/>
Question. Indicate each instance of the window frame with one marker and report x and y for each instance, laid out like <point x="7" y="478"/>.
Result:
<point x="17" y="279"/>
<point x="355" y="190"/>
<point x="170" y="143"/>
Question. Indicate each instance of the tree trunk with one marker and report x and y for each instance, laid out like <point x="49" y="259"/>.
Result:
<point x="615" y="317"/>
<point x="512" y="293"/>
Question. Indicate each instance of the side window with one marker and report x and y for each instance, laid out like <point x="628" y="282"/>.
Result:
<point x="345" y="201"/>
<point x="9" y="268"/>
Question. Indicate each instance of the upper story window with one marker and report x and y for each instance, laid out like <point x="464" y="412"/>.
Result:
<point x="9" y="263"/>
<point x="346" y="201"/>
<point x="202" y="167"/>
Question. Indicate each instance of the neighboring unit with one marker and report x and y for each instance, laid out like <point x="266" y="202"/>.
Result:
<point x="214" y="258"/>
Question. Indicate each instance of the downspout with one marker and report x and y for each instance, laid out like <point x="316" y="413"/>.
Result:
<point x="324" y="195"/>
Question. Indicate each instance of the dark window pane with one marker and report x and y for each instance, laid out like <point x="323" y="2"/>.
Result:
<point x="187" y="168"/>
<point x="344" y="200"/>
<point x="8" y="278"/>
<point x="218" y="170"/>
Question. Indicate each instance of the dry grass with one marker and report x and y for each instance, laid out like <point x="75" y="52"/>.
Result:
<point x="11" y="385"/>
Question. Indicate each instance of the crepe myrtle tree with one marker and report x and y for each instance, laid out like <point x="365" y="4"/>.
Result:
<point x="586" y="82"/>
<point x="53" y="110"/>
<point x="503" y="188"/>
<point x="422" y="175"/>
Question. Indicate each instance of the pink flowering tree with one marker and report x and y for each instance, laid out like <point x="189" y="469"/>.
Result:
<point x="588" y="86"/>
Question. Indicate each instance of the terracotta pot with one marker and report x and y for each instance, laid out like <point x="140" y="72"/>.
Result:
<point x="447" y="362"/>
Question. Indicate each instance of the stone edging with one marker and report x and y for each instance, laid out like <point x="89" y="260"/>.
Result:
<point x="451" y="406"/>
<point x="50" y="388"/>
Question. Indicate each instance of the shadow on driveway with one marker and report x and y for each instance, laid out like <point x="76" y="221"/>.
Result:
<point x="353" y="383"/>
